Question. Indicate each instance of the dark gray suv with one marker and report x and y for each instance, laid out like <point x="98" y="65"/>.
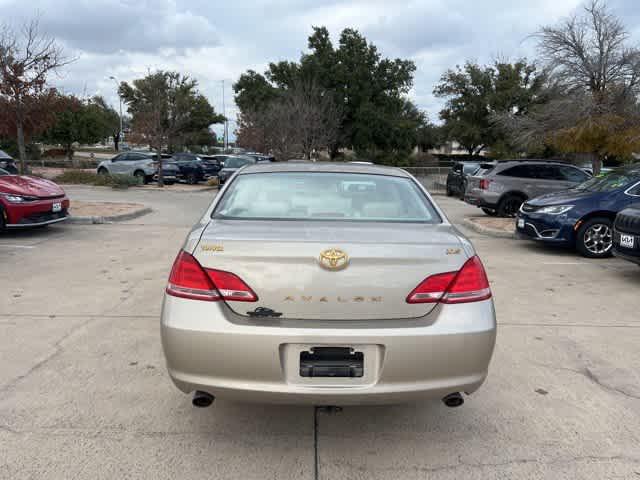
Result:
<point x="500" y="189"/>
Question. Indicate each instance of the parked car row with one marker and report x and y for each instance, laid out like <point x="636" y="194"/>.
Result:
<point x="180" y="167"/>
<point x="584" y="216"/>
<point x="558" y="203"/>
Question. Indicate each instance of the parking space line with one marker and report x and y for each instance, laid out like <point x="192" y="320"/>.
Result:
<point x="16" y="246"/>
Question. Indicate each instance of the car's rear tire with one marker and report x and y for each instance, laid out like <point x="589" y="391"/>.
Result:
<point x="509" y="205"/>
<point x="449" y="191"/>
<point x="192" y="178"/>
<point x="594" y="238"/>
<point x="465" y="184"/>
<point x="490" y="212"/>
<point x="141" y="176"/>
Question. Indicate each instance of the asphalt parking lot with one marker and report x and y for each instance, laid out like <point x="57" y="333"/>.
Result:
<point x="84" y="393"/>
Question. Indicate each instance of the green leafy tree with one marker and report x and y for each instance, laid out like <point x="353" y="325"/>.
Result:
<point x="253" y="92"/>
<point x="166" y="109"/>
<point x="369" y="89"/>
<point x="430" y="136"/>
<point x="78" y="121"/>
<point x="477" y="94"/>
<point x="109" y="119"/>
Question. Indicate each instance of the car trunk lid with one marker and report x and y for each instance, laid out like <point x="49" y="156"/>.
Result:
<point x="280" y="261"/>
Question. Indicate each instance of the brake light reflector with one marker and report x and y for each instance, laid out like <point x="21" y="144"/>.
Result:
<point x="469" y="284"/>
<point x="231" y="287"/>
<point x="188" y="279"/>
<point x="432" y="288"/>
<point x="484" y="184"/>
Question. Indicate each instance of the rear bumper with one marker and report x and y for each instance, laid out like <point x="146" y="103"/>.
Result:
<point x="167" y="176"/>
<point x="207" y="347"/>
<point x="480" y="201"/>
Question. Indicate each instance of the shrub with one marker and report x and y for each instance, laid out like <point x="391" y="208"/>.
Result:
<point x="213" y="182"/>
<point x="91" y="178"/>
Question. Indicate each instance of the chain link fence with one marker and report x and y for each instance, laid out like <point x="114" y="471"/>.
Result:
<point x="434" y="179"/>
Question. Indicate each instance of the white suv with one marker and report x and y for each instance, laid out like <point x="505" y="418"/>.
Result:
<point x="138" y="164"/>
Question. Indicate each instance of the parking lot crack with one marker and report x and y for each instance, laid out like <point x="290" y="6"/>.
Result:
<point x="57" y="350"/>
<point x="507" y="463"/>
<point x="591" y="376"/>
<point x="595" y="379"/>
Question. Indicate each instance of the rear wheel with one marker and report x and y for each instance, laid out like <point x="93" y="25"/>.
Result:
<point x="449" y="191"/>
<point x="509" y="205"/>
<point x="140" y="175"/>
<point x="491" y="213"/>
<point x="2" y="221"/>
<point x="103" y="171"/>
<point x="464" y="188"/>
<point x="192" y="179"/>
<point x="595" y="238"/>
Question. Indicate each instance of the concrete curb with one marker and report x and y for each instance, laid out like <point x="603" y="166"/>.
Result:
<point x="492" y="232"/>
<point x="143" y="188"/>
<point x="96" y="220"/>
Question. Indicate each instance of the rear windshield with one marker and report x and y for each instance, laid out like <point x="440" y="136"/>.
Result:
<point x="237" y="162"/>
<point x="325" y="196"/>
<point x="470" y="168"/>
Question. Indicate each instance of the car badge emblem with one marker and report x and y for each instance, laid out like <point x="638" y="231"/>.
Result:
<point x="333" y="259"/>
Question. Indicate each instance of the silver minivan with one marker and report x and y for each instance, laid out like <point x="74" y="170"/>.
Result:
<point x="501" y="188"/>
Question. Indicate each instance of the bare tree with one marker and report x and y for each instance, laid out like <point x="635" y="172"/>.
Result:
<point x="589" y="52"/>
<point x="316" y="117"/>
<point x="26" y="61"/>
<point x="594" y="83"/>
<point x="301" y="121"/>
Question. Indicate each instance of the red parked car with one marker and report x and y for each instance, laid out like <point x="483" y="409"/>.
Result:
<point x="30" y="201"/>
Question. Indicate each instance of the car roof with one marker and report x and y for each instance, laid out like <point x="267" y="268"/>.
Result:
<point x="533" y="161"/>
<point x="329" y="167"/>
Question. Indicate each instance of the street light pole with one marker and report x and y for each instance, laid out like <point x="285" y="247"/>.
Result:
<point x="118" y="84"/>
<point x="226" y="127"/>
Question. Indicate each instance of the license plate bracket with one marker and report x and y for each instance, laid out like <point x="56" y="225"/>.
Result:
<point x="332" y="362"/>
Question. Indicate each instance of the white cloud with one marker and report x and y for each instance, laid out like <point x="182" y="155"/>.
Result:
<point x="212" y="41"/>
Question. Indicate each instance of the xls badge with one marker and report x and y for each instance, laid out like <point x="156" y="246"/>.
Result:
<point x="333" y="259"/>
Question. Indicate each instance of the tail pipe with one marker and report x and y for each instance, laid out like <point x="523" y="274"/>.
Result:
<point x="202" y="399"/>
<point x="453" y="400"/>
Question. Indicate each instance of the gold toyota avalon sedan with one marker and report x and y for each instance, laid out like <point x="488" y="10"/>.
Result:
<point x="327" y="284"/>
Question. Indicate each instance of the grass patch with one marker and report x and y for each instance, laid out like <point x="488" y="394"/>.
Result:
<point x="90" y="178"/>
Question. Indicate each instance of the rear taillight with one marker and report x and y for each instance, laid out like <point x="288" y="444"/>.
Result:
<point x="188" y="279"/>
<point x="469" y="284"/>
<point x="484" y="184"/>
<point x="231" y="287"/>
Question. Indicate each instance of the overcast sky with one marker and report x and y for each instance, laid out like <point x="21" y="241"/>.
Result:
<point x="218" y="40"/>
